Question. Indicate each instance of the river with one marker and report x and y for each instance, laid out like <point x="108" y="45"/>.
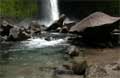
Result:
<point x="33" y="58"/>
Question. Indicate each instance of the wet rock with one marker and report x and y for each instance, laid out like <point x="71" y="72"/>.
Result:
<point x="69" y="25"/>
<point x="56" y="24"/>
<point x="64" y="29"/>
<point x="79" y="68"/>
<point x="18" y="34"/>
<point x="5" y="28"/>
<point x="73" y="51"/>
<point x="59" y="29"/>
<point x="35" y="27"/>
<point x="49" y="38"/>
<point x="43" y="27"/>
<point x="117" y="68"/>
<point x="3" y="38"/>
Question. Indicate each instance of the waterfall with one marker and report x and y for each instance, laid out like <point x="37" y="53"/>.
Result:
<point x="50" y="12"/>
<point x="54" y="10"/>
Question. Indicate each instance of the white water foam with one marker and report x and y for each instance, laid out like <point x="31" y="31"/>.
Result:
<point x="54" y="10"/>
<point x="41" y="43"/>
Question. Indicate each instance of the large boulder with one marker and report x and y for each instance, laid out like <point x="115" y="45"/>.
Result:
<point x="96" y="19"/>
<point x="97" y="28"/>
<point x="74" y="68"/>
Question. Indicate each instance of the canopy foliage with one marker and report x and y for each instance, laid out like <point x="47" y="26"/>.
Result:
<point x="18" y="8"/>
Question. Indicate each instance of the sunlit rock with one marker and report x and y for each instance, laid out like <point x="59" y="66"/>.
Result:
<point x="96" y="19"/>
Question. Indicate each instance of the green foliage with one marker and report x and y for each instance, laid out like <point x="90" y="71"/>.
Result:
<point x="18" y="8"/>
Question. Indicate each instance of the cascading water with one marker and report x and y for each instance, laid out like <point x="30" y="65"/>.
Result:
<point x="50" y="12"/>
<point x="54" y="10"/>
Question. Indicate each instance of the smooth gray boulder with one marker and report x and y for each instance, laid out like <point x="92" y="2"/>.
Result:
<point x="96" y="19"/>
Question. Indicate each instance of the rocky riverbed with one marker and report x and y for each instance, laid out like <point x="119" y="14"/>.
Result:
<point x="85" y="49"/>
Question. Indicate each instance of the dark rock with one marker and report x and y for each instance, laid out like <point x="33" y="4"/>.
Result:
<point x="3" y="38"/>
<point x="75" y="68"/>
<point x="65" y="29"/>
<point x="43" y="27"/>
<point x="80" y="68"/>
<point x="117" y="68"/>
<point x="18" y="34"/>
<point x="56" y="24"/>
<point x="69" y="25"/>
<point x="96" y="29"/>
<point x="5" y="28"/>
<point x="48" y="38"/>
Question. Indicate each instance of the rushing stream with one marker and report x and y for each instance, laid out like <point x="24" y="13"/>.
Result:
<point x="33" y="58"/>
